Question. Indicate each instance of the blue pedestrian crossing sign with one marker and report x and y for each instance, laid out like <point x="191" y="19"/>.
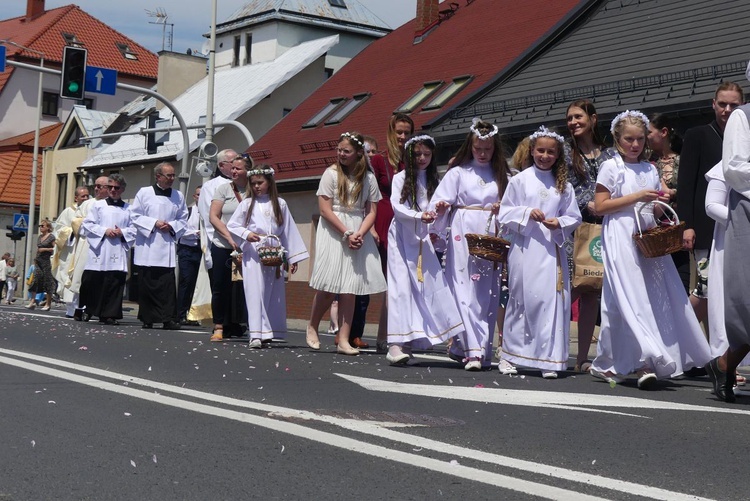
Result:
<point x="21" y="222"/>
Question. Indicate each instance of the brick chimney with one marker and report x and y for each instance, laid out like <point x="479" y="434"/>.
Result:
<point x="427" y="15"/>
<point x="34" y="9"/>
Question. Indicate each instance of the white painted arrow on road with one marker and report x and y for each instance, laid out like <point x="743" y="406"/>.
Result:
<point x="530" y="398"/>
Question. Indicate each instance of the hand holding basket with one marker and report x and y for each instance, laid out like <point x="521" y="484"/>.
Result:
<point x="659" y="240"/>
<point x="270" y="251"/>
<point x="489" y="247"/>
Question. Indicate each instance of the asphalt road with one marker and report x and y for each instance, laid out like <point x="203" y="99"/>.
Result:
<point x="116" y="412"/>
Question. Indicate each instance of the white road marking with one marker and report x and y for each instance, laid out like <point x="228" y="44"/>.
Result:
<point x="365" y="428"/>
<point x="531" y="398"/>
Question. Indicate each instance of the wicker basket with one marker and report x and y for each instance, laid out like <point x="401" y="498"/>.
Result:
<point x="660" y="240"/>
<point x="270" y="251"/>
<point x="491" y="248"/>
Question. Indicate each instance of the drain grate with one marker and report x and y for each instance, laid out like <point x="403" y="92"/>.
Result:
<point x="393" y="417"/>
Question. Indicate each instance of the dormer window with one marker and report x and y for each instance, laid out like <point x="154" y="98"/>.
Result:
<point x="126" y="52"/>
<point x="348" y="108"/>
<point x="427" y="90"/>
<point x="447" y="94"/>
<point x="71" y="40"/>
<point x="337" y="3"/>
<point x="333" y="104"/>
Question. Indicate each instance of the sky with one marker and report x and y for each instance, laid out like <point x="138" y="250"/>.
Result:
<point x="131" y="18"/>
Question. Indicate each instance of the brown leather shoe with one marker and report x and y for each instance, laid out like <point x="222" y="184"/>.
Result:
<point x="359" y="344"/>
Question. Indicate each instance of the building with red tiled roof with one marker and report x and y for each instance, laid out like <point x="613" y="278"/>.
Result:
<point x="423" y="68"/>
<point x="48" y="32"/>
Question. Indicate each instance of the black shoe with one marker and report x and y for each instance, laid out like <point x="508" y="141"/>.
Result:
<point x="171" y="326"/>
<point x="147" y="325"/>
<point x="86" y="317"/>
<point x="190" y="323"/>
<point x="696" y="372"/>
<point x="78" y="315"/>
<point x="723" y="385"/>
<point x="109" y="321"/>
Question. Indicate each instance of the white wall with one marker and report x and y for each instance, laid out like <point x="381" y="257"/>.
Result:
<point x="19" y="98"/>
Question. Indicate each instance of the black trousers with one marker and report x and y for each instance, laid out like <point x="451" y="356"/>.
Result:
<point x="358" y="320"/>
<point x="227" y="298"/>
<point x="101" y="293"/>
<point x="157" y="295"/>
<point x="189" y="260"/>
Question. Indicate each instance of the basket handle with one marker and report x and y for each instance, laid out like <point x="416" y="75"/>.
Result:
<point x="269" y="237"/>
<point x="673" y="222"/>
<point x="489" y="222"/>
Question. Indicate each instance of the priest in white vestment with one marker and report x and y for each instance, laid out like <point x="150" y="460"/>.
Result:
<point x="64" y="246"/>
<point x="160" y="215"/>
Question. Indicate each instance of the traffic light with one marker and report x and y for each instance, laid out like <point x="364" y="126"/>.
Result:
<point x="151" y="142"/>
<point x="73" y="76"/>
<point x="14" y="234"/>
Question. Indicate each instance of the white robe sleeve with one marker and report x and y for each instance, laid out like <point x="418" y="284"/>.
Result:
<point x="568" y="215"/>
<point x="514" y="214"/>
<point x="144" y="224"/>
<point x="179" y="223"/>
<point x="447" y="191"/>
<point x="716" y="197"/>
<point x="291" y="238"/>
<point x="91" y="228"/>
<point x="402" y="212"/>
<point x="236" y="224"/>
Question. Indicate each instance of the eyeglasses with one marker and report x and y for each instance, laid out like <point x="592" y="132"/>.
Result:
<point x="168" y="176"/>
<point x="100" y="186"/>
<point x="115" y="188"/>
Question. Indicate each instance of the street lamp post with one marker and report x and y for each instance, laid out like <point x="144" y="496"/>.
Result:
<point x="34" y="160"/>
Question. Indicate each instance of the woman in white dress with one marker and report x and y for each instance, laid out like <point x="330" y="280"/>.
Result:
<point x="260" y="214"/>
<point x="539" y="210"/>
<point x="427" y="314"/>
<point x="472" y="189"/>
<point x="346" y="257"/>
<point x="648" y="325"/>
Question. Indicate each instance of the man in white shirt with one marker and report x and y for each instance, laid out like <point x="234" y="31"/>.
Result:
<point x="159" y="214"/>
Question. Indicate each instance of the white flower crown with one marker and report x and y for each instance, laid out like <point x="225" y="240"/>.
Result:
<point x="479" y="135"/>
<point x="260" y="172"/>
<point x="421" y="138"/>
<point x="628" y="113"/>
<point x="352" y="138"/>
<point x="545" y="132"/>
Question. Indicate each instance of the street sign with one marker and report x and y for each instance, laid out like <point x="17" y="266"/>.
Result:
<point x="2" y="58"/>
<point x="21" y="222"/>
<point x="101" y="80"/>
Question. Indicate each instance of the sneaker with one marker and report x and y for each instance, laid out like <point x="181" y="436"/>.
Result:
<point x="473" y="365"/>
<point x="255" y="344"/>
<point x="507" y="368"/>
<point x="646" y="380"/>
<point x="549" y="374"/>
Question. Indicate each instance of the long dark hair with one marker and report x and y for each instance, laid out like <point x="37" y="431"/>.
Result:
<point x="273" y="192"/>
<point x="409" y="191"/>
<point x="497" y="162"/>
<point x="662" y="121"/>
<point x="579" y="164"/>
<point x="560" y="169"/>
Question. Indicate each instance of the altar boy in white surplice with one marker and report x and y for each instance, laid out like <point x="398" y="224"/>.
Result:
<point x="160" y="215"/>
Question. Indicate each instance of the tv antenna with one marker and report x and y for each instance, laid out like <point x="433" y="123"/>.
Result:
<point x="161" y="18"/>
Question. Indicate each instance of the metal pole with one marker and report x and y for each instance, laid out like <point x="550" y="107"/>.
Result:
<point x="34" y="171"/>
<point x="211" y="70"/>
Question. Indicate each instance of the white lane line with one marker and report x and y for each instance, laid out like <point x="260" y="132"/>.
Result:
<point x="325" y="438"/>
<point x="379" y="431"/>
<point x="532" y="398"/>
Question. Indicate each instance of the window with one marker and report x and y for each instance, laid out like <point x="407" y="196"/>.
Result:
<point x="126" y="52"/>
<point x="450" y="90"/>
<point x="285" y="112"/>
<point x="236" y="51"/>
<point x="62" y="192"/>
<point x="427" y="90"/>
<point x="248" y="48"/>
<point x="338" y="3"/>
<point x="349" y="107"/>
<point x="329" y="73"/>
<point x="50" y="103"/>
<point x="88" y="102"/>
<point x="329" y="108"/>
<point x="72" y="40"/>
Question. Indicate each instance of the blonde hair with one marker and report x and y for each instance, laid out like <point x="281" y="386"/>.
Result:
<point x="358" y="170"/>
<point x="617" y="133"/>
<point x="522" y="155"/>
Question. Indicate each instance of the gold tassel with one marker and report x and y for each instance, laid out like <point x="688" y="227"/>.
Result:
<point x="420" y="275"/>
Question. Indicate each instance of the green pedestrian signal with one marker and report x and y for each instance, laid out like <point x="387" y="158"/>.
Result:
<point x="73" y="74"/>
